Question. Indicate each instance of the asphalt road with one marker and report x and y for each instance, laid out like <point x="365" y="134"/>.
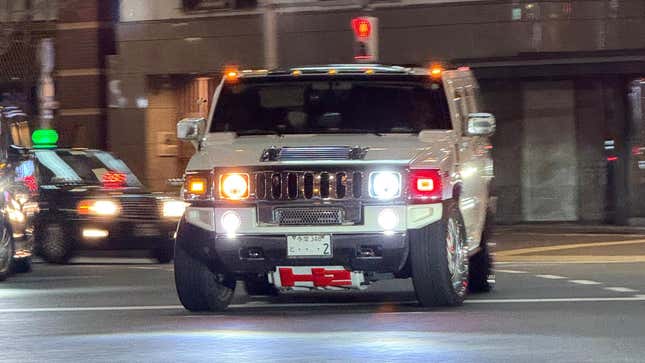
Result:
<point x="559" y="298"/>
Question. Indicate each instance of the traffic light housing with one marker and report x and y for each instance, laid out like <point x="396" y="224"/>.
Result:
<point x="365" y="30"/>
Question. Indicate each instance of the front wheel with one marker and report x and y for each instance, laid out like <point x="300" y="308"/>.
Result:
<point x="54" y="246"/>
<point x="439" y="260"/>
<point x="22" y="265"/>
<point x="6" y="252"/>
<point x="200" y="289"/>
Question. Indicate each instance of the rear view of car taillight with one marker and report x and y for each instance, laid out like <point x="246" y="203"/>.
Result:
<point x="424" y="185"/>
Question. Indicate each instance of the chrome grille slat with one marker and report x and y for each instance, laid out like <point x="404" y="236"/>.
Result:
<point x="286" y="185"/>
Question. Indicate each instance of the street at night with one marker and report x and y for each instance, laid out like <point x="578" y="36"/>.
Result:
<point x="322" y="181"/>
<point x="545" y="307"/>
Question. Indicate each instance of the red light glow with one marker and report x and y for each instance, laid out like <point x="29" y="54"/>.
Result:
<point x="424" y="185"/>
<point x="362" y="27"/>
<point x="113" y="180"/>
<point x="612" y="158"/>
<point x="31" y="183"/>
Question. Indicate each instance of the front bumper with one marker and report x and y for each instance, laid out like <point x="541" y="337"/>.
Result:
<point x="123" y="234"/>
<point x="260" y="248"/>
<point x="244" y="254"/>
<point x="114" y="234"/>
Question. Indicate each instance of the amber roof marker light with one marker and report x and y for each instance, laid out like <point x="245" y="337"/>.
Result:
<point x="231" y="74"/>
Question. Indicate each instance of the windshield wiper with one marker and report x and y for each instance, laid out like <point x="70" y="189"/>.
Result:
<point x="257" y="132"/>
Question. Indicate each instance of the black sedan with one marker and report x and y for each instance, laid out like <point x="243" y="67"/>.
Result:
<point x="89" y="199"/>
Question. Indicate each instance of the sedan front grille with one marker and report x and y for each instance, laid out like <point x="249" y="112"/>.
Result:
<point x="139" y="208"/>
<point x="315" y="216"/>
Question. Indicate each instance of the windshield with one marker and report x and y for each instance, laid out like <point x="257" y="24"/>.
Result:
<point x="324" y="106"/>
<point x="80" y="167"/>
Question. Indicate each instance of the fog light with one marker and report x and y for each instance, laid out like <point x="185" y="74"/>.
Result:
<point x="94" y="233"/>
<point x="231" y="222"/>
<point x="388" y="219"/>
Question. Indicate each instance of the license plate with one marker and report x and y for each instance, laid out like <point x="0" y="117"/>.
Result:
<point x="146" y="230"/>
<point x="309" y="246"/>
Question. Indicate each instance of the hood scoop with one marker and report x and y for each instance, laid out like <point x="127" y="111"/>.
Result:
<point x="313" y="153"/>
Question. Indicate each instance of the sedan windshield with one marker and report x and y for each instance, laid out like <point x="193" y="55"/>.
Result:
<point x="324" y="106"/>
<point x="80" y="167"/>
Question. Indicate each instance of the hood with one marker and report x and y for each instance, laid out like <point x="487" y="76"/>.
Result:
<point x="225" y="149"/>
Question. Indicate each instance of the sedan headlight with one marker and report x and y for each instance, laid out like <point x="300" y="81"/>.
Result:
<point x="174" y="208"/>
<point x="98" y="207"/>
<point x="385" y="184"/>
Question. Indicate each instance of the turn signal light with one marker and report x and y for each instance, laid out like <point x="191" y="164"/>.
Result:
<point x="234" y="186"/>
<point x="425" y="185"/>
<point x="196" y="185"/>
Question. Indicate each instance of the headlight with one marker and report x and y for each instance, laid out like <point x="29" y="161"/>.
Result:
<point x="385" y="184"/>
<point x="234" y="186"/>
<point x="173" y="208"/>
<point x="97" y="207"/>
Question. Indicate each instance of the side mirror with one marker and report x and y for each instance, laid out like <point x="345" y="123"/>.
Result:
<point x="480" y="124"/>
<point x="191" y="129"/>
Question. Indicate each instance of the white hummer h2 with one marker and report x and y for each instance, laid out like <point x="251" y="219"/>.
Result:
<point x="332" y="177"/>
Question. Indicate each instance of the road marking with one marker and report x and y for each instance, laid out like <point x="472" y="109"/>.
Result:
<point x="620" y="289"/>
<point x="522" y="251"/>
<point x="551" y="300"/>
<point x="585" y="282"/>
<point x="91" y="308"/>
<point x="545" y="259"/>
<point x="551" y="277"/>
<point x="511" y="271"/>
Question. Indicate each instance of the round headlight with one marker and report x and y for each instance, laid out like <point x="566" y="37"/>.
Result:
<point x="234" y="186"/>
<point x="385" y="185"/>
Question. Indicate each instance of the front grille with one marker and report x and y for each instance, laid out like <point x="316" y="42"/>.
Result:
<point x="139" y="208"/>
<point x="307" y="185"/>
<point x="308" y="216"/>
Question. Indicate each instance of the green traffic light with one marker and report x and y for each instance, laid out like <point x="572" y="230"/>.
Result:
<point x="44" y="138"/>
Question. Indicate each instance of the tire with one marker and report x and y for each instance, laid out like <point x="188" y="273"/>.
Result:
<point x="259" y="285"/>
<point x="6" y="252"/>
<point x="436" y="281"/>
<point x="54" y="246"/>
<point x="163" y="254"/>
<point x="200" y="289"/>
<point x="481" y="272"/>
<point x="22" y="265"/>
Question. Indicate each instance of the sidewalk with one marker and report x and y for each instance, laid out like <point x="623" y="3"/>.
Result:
<point x="563" y="228"/>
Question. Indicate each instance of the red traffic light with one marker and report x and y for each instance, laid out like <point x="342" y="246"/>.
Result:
<point x="362" y="27"/>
